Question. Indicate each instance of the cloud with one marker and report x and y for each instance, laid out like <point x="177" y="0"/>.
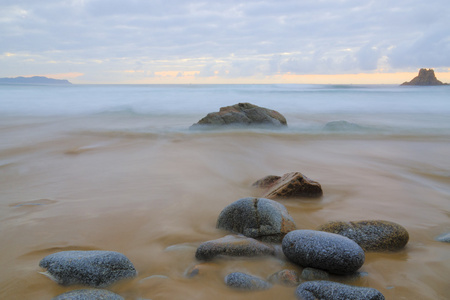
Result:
<point x="229" y="38"/>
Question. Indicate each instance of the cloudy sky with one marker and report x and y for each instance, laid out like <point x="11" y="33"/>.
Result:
<point x="226" y="41"/>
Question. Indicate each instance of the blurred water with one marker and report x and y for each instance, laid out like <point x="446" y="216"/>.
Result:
<point x="112" y="167"/>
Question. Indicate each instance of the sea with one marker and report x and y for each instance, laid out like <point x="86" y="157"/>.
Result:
<point x="117" y="167"/>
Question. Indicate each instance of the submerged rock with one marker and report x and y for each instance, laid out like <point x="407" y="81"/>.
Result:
<point x="342" y="126"/>
<point x="89" y="294"/>
<point x="445" y="237"/>
<point x="374" y="235"/>
<point x="323" y="250"/>
<point x="242" y="114"/>
<point x="327" y="290"/>
<point x="291" y="185"/>
<point x="242" y="281"/>
<point x="90" y="268"/>
<point x="314" y="274"/>
<point x="258" y="218"/>
<point x="233" y="246"/>
<point x="285" y="277"/>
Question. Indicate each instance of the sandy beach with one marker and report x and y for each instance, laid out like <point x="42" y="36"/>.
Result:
<point x="156" y="196"/>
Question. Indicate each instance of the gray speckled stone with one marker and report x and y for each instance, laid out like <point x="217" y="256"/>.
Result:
<point x="310" y="274"/>
<point x="327" y="290"/>
<point x="242" y="281"/>
<point x="89" y="294"/>
<point x="233" y="246"/>
<point x="372" y="235"/>
<point x="285" y="277"/>
<point x="323" y="250"/>
<point x="90" y="268"/>
<point x="258" y="218"/>
<point x="445" y="238"/>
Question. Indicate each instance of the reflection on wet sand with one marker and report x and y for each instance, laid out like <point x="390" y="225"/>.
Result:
<point x="156" y="197"/>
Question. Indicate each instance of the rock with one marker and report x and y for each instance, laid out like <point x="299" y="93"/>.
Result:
<point x="327" y="290"/>
<point x="309" y="274"/>
<point x="203" y="269"/>
<point x="425" y="77"/>
<point x="233" y="246"/>
<point x="342" y="126"/>
<point x="445" y="237"/>
<point x="258" y="218"/>
<point x="376" y="235"/>
<point x="291" y="185"/>
<point x="323" y="250"/>
<point x="242" y="114"/>
<point x="266" y="182"/>
<point x="244" y="281"/>
<point x="89" y="294"/>
<point x="91" y="268"/>
<point x="285" y="277"/>
<point x="314" y="274"/>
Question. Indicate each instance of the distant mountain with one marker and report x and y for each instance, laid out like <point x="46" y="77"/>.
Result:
<point x="33" y="80"/>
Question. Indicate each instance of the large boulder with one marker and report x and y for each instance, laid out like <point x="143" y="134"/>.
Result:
<point x="425" y="77"/>
<point x="90" y="268"/>
<point x="373" y="235"/>
<point x="242" y="114"/>
<point x="290" y="185"/>
<point x="328" y="290"/>
<point x="323" y="250"/>
<point x="258" y="218"/>
<point x="242" y="281"/>
<point x="233" y="246"/>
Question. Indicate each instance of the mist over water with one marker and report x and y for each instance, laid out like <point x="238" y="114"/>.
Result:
<point x="115" y="167"/>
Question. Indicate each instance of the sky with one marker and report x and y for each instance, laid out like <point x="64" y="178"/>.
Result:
<point x="226" y="41"/>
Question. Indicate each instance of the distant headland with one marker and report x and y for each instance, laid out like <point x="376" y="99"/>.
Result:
<point x="425" y="77"/>
<point x="39" y="80"/>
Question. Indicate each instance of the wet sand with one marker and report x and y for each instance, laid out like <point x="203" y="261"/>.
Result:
<point x="78" y="184"/>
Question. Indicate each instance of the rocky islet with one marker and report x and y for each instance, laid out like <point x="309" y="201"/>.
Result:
<point x="425" y="77"/>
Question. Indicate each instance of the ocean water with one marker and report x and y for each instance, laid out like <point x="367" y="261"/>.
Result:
<point x="115" y="167"/>
<point x="386" y="108"/>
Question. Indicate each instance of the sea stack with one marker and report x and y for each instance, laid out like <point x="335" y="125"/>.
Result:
<point x="425" y="77"/>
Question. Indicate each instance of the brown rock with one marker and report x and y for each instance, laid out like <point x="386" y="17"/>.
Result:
<point x="242" y="114"/>
<point x="285" y="277"/>
<point x="291" y="185"/>
<point x="425" y="77"/>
